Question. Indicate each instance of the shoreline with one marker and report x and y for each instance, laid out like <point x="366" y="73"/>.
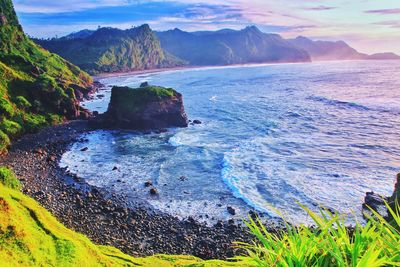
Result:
<point x="106" y="218"/>
<point x="105" y="75"/>
<point x="160" y="70"/>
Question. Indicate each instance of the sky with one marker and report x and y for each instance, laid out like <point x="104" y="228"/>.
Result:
<point x="370" y="26"/>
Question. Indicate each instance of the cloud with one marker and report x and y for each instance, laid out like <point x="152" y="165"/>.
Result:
<point x="390" y="23"/>
<point x="320" y="8"/>
<point x="390" y="11"/>
<point x="51" y="6"/>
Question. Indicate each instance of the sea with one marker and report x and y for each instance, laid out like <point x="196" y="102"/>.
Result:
<point x="273" y="138"/>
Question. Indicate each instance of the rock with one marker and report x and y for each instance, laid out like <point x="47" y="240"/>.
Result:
<point x="196" y="122"/>
<point x="396" y="193"/>
<point x="144" y="108"/>
<point x="183" y="178"/>
<point x="84" y="149"/>
<point x="51" y="158"/>
<point x="3" y="19"/>
<point x="39" y="151"/>
<point x="148" y="183"/>
<point x="153" y="191"/>
<point x="115" y="168"/>
<point x="144" y="84"/>
<point x="375" y="202"/>
<point x="231" y="210"/>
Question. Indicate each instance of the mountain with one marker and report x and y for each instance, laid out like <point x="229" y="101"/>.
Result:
<point x="37" y="88"/>
<point x="112" y="50"/>
<point x="79" y="35"/>
<point x="327" y="50"/>
<point x="225" y="47"/>
<point x="384" y="56"/>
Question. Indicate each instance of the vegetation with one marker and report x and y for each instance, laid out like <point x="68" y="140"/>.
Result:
<point x="35" y="85"/>
<point x="8" y="178"/>
<point x="112" y="50"/>
<point x="31" y="236"/>
<point x="331" y="243"/>
<point x="130" y="99"/>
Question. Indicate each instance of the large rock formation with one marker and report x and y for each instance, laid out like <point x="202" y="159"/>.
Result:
<point x="144" y="108"/>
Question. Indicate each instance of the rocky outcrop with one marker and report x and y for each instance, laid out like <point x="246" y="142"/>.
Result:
<point x="378" y="202"/>
<point x="144" y="108"/>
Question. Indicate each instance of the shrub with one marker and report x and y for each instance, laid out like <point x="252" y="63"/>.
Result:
<point x="22" y="103"/>
<point x="4" y="142"/>
<point x="34" y="122"/>
<point x="10" y="128"/>
<point x="8" y="178"/>
<point x="6" y="108"/>
<point x="331" y="243"/>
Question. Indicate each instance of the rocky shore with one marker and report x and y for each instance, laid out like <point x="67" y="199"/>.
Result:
<point x="104" y="218"/>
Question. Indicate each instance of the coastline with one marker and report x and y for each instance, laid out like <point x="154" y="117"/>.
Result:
<point x="152" y="71"/>
<point x="106" y="219"/>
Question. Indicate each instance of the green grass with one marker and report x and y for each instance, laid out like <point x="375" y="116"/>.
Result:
<point x="377" y="243"/>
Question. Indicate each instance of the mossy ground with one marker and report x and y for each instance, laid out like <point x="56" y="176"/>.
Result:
<point x="130" y="99"/>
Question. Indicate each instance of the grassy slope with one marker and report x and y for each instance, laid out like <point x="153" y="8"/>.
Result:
<point x="31" y="236"/>
<point x="37" y="88"/>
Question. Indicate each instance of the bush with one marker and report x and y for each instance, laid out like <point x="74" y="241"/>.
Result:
<point x="34" y="123"/>
<point x="8" y="178"/>
<point x="22" y="103"/>
<point x="4" y="142"/>
<point x="6" y="108"/>
<point x="331" y="243"/>
<point x="10" y="128"/>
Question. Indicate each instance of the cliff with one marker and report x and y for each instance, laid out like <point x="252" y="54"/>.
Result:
<point x="37" y="88"/>
<point x="112" y="50"/>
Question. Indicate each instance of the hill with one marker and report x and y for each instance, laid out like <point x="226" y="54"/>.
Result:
<point x="37" y="88"/>
<point x="226" y="47"/>
<point x="338" y="50"/>
<point x="327" y="50"/>
<point x="112" y="50"/>
<point x="384" y="56"/>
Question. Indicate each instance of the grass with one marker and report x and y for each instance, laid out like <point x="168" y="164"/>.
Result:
<point x="330" y="243"/>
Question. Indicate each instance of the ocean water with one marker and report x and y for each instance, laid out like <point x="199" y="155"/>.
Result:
<point x="273" y="136"/>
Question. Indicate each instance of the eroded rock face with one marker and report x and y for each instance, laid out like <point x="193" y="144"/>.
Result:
<point x="3" y="19"/>
<point x="145" y="108"/>
<point x="377" y="202"/>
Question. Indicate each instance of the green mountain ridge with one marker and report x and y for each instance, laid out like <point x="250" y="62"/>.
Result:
<point x="113" y="50"/>
<point x="37" y="88"/>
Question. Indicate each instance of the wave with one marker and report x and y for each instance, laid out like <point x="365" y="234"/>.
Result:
<point x="230" y="180"/>
<point x="334" y="102"/>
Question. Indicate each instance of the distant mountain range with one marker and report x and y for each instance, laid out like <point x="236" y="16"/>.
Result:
<point x="139" y="48"/>
<point x="226" y="47"/>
